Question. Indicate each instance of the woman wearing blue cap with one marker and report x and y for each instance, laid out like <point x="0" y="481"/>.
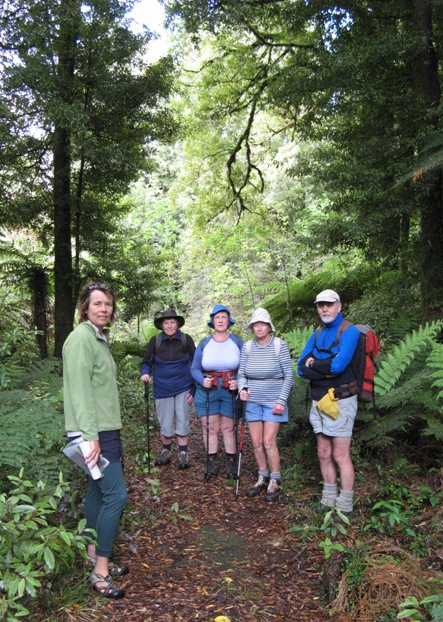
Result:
<point x="214" y="368"/>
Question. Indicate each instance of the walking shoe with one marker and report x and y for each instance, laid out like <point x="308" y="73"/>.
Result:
<point x="273" y="491"/>
<point x="183" y="460"/>
<point x="231" y="467"/>
<point x="259" y="486"/>
<point x="213" y="467"/>
<point x="164" y="457"/>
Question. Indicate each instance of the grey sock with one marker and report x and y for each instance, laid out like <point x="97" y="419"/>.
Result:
<point x="329" y="495"/>
<point x="344" y="501"/>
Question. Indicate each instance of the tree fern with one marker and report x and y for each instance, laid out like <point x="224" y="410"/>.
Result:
<point x="395" y="363"/>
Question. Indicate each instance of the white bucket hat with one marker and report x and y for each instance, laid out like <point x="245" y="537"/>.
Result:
<point x="260" y="315"/>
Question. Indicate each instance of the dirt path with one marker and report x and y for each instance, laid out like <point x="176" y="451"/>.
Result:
<point x="232" y="558"/>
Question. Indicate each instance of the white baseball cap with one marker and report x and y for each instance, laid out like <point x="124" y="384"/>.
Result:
<point x="328" y="295"/>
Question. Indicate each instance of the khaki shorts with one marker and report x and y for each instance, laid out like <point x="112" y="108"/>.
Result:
<point x="173" y="414"/>
<point x="342" y="426"/>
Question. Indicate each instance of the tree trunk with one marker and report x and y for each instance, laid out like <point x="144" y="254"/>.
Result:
<point x="38" y="281"/>
<point x="63" y="308"/>
<point x="63" y="316"/>
<point x="427" y="88"/>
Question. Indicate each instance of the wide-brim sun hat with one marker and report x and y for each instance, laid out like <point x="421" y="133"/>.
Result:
<point x="260" y="315"/>
<point x="217" y="309"/>
<point x="169" y="314"/>
<point x="327" y="295"/>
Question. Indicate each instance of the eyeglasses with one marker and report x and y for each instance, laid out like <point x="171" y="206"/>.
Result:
<point x="100" y="286"/>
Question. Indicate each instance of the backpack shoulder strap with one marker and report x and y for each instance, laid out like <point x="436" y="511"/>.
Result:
<point x="341" y="329"/>
<point x="158" y="341"/>
<point x="277" y="346"/>
<point x="317" y="334"/>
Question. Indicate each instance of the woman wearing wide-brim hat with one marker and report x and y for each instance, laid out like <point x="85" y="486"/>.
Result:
<point x="214" y="369"/>
<point x="265" y="378"/>
<point x="167" y="361"/>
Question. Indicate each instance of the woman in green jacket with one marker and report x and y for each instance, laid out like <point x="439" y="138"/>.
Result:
<point x="92" y="411"/>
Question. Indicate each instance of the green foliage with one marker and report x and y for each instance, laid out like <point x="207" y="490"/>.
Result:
<point x="339" y="84"/>
<point x="32" y="427"/>
<point x="351" y="283"/>
<point x="31" y="433"/>
<point x="394" y="363"/>
<point x="17" y="353"/>
<point x="431" y="606"/>
<point x="34" y="544"/>
<point x="84" y="108"/>
<point x="296" y="340"/>
<point x="405" y="398"/>
<point x="332" y="527"/>
<point x="435" y="362"/>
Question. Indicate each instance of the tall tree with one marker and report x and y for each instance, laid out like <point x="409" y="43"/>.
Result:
<point x="82" y="108"/>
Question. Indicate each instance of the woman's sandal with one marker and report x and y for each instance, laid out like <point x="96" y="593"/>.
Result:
<point x="110" y="590"/>
<point x="114" y="570"/>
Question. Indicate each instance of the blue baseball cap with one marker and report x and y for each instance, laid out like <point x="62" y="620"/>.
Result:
<point x="217" y="309"/>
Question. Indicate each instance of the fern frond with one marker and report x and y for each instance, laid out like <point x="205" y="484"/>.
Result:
<point x="435" y="362"/>
<point x="434" y="427"/>
<point x="382" y="430"/>
<point x="296" y="340"/>
<point x="406" y="393"/>
<point x="401" y="357"/>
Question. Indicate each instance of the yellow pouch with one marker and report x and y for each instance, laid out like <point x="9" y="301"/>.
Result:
<point x="328" y="404"/>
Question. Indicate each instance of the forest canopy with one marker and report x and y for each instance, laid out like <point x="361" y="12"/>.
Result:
<point x="275" y="140"/>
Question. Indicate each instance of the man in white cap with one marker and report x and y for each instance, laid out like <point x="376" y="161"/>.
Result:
<point x="326" y="363"/>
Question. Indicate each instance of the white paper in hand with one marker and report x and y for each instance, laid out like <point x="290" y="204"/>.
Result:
<point x="76" y="451"/>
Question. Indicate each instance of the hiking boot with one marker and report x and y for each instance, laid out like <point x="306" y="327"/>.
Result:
<point x="273" y="491"/>
<point x="164" y="457"/>
<point x="213" y="467"/>
<point x="336" y="518"/>
<point x="231" y="467"/>
<point x="324" y="507"/>
<point x="183" y="460"/>
<point x="259" y="486"/>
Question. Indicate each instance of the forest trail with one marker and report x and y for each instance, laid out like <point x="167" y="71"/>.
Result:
<point x="233" y="558"/>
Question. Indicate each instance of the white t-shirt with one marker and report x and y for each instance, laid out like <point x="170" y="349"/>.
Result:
<point x="221" y="356"/>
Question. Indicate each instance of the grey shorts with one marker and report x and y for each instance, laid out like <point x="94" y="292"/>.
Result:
<point x="340" y="427"/>
<point x="174" y="409"/>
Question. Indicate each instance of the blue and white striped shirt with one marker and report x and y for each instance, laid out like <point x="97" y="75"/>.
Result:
<point x="268" y="377"/>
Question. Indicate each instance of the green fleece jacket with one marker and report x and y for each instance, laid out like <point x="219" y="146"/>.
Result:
<point x="90" y="391"/>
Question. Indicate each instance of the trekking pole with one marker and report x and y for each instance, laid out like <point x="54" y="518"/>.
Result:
<point x="234" y="416"/>
<point x="240" y="448"/>
<point x="148" y="425"/>
<point x="207" y="436"/>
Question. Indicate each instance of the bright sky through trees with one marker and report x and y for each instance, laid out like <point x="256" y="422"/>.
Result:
<point x="151" y="14"/>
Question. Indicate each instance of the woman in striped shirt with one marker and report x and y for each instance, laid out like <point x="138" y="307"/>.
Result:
<point x="265" y="378"/>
